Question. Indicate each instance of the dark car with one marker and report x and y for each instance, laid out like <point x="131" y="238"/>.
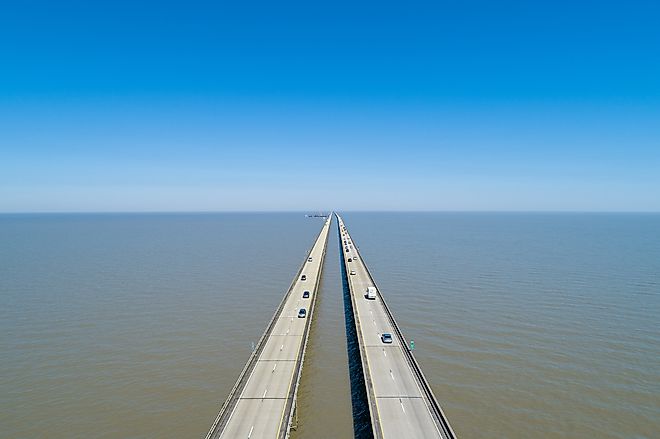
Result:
<point x="302" y="313"/>
<point x="303" y="277"/>
<point x="350" y="260"/>
<point x="305" y="294"/>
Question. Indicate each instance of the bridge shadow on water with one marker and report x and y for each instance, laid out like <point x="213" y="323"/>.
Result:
<point x="361" y="419"/>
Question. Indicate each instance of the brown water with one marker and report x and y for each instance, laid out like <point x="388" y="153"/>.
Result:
<point x="526" y="325"/>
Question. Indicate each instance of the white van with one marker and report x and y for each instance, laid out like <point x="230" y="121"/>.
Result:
<point x="371" y="293"/>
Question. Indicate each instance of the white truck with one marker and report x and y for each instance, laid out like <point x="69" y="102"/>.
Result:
<point x="371" y="293"/>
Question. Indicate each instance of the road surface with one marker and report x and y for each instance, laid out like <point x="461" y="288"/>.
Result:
<point x="401" y="402"/>
<point x="262" y="403"/>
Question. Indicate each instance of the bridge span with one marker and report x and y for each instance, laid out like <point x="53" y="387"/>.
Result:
<point x="401" y="402"/>
<point x="262" y="403"/>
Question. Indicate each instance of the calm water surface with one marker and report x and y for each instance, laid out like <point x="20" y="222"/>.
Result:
<point x="527" y="325"/>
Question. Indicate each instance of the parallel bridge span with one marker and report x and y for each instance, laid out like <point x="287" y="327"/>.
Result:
<point x="263" y="401"/>
<point x="401" y="402"/>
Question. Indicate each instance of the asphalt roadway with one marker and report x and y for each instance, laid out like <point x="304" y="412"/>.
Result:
<point x="398" y="405"/>
<point x="262" y="403"/>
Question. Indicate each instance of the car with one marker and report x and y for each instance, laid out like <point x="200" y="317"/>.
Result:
<point x="302" y="313"/>
<point x="305" y="294"/>
<point x="355" y="258"/>
<point x="386" y="338"/>
<point x="352" y="272"/>
<point x="303" y="277"/>
<point x="347" y="250"/>
<point x="350" y="260"/>
<point x="309" y="259"/>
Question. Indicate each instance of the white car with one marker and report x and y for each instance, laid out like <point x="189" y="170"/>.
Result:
<point x="352" y="272"/>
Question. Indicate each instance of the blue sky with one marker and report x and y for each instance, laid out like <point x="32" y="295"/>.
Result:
<point x="169" y="106"/>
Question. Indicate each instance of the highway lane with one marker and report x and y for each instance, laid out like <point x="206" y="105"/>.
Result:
<point x="262" y="403"/>
<point x="398" y="396"/>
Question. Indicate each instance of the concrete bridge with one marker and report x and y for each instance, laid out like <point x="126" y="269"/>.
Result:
<point x="401" y="402"/>
<point x="262" y="403"/>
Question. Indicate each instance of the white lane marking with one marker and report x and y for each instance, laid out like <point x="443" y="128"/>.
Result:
<point x="250" y="433"/>
<point x="402" y="407"/>
<point x="274" y="367"/>
<point x="264" y="395"/>
<point x="281" y="347"/>
<point x="384" y="353"/>
<point x="287" y="332"/>
<point x="392" y="375"/>
<point x="374" y="322"/>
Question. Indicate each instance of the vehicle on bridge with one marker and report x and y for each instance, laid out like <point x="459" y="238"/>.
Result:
<point x="305" y="294"/>
<point x="386" y="338"/>
<point x="371" y="293"/>
<point x="302" y="313"/>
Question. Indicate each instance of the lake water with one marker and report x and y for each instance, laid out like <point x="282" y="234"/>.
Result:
<point x="526" y="325"/>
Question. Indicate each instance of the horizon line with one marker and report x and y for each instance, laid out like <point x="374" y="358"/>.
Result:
<point x="202" y="212"/>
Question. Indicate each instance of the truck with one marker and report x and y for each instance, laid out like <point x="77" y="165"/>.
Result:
<point x="371" y="293"/>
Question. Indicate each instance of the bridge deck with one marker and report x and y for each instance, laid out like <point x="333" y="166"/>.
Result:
<point x="262" y="402"/>
<point x="401" y="402"/>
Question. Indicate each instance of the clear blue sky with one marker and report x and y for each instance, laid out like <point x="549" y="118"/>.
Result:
<point x="446" y="105"/>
